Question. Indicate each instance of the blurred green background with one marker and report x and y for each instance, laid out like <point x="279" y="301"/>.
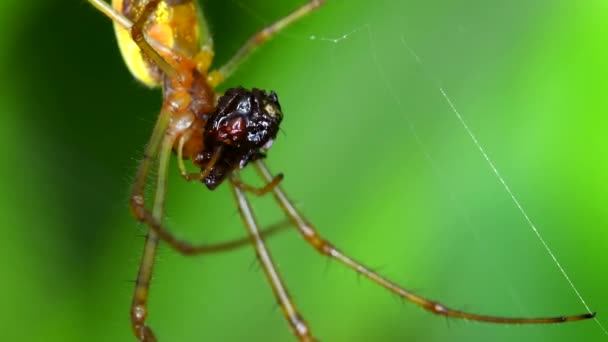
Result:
<point x="372" y="153"/>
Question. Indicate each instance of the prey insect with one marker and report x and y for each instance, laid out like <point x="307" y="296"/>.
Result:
<point x="166" y="43"/>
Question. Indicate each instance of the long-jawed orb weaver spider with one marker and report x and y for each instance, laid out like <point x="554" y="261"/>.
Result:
<point x="167" y="43"/>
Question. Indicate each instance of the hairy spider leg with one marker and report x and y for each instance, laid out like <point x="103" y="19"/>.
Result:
<point x="297" y="323"/>
<point x="259" y="38"/>
<point x="139" y="309"/>
<point x="309" y="233"/>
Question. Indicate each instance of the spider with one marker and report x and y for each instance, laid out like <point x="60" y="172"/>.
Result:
<point x="167" y="43"/>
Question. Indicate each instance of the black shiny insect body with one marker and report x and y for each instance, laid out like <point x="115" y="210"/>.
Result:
<point x="244" y="123"/>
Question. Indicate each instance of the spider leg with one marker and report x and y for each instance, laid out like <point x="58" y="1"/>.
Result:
<point x="180" y="162"/>
<point x="309" y="233"/>
<point x="137" y="34"/>
<point x="240" y="242"/>
<point x="259" y="191"/>
<point x="187" y="248"/>
<point x="136" y="28"/>
<point x="140" y="297"/>
<point x="109" y="12"/>
<point x="297" y="323"/>
<point x="259" y="38"/>
<point x="204" y="172"/>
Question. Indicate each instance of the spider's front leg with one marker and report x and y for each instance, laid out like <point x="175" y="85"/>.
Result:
<point x="259" y="38"/>
<point x="137" y="34"/>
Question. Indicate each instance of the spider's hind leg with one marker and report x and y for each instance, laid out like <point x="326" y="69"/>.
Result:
<point x="262" y="190"/>
<point x="298" y="325"/>
<point x="310" y="234"/>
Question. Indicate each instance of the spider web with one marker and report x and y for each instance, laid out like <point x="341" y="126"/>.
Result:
<point x="369" y="35"/>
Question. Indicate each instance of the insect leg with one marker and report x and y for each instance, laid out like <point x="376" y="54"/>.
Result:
<point x="260" y="37"/>
<point x="297" y="323"/>
<point x="309" y="233"/>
